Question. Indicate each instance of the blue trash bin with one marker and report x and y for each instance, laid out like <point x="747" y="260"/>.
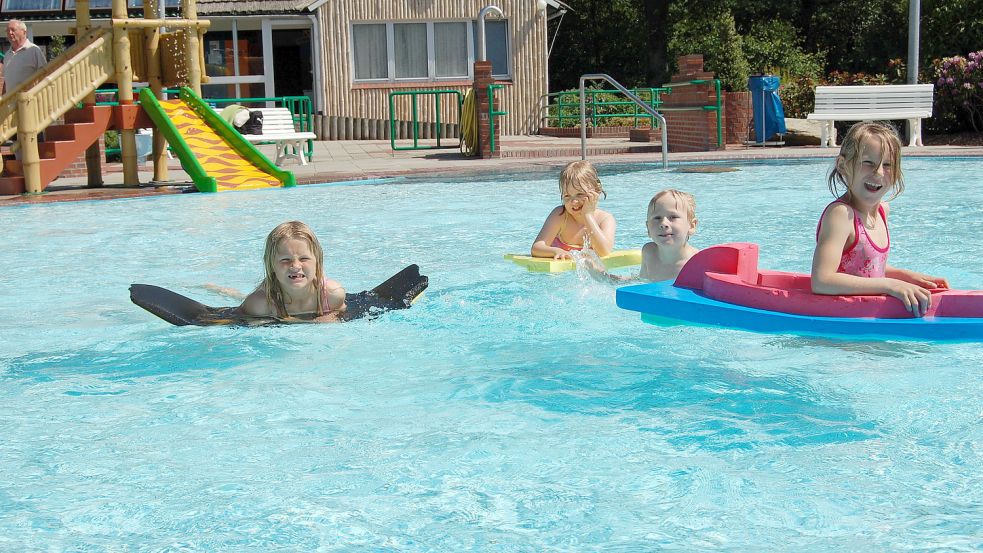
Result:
<point x="769" y="115"/>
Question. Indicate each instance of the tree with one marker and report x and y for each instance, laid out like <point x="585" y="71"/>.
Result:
<point x="707" y="27"/>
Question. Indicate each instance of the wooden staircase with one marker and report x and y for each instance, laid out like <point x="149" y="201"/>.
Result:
<point x="62" y="145"/>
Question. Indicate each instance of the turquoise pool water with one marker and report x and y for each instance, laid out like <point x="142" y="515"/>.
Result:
<point x="506" y="411"/>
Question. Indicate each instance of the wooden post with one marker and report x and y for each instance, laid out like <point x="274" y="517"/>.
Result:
<point x="152" y="40"/>
<point x="189" y="11"/>
<point x="124" y="80"/>
<point x="93" y="161"/>
<point x="27" y="140"/>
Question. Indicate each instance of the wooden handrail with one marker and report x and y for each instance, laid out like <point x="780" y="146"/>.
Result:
<point x="59" y="86"/>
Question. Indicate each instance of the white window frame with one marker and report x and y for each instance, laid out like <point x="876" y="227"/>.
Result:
<point x="431" y="53"/>
<point x="237" y="79"/>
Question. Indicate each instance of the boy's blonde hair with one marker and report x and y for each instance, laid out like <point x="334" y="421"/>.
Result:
<point x="684" y="198"/>
<point x="282" y="232"/>
<point x="852" y="149"/>
<point x="582" y="175"/>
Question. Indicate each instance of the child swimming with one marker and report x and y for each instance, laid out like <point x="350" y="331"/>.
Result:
<point x="577" y="222"/>
<point x="295" y="284"/>
<point x="670" y="221"/>
<point x="852" y="238"/>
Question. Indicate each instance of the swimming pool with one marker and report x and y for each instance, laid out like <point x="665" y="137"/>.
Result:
<point x="506" y="411"/>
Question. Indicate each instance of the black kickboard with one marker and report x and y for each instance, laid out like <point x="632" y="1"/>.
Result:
<point x="397" y="292"/>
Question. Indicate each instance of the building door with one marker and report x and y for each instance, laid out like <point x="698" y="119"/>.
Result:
<point x="292" y="70"/>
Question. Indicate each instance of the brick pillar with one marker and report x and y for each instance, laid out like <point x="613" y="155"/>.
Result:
<point x="691" y="130"/>
<point x="738" y="117"/>
<point x="483" y="78"/>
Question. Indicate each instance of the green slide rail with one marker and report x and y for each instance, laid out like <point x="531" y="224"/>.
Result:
<point x="203" y="181"/>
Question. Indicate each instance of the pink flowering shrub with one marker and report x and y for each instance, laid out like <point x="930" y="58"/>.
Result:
<point x="959" y="91"/>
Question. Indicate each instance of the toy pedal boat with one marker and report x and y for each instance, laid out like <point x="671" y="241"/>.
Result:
<point x="614" y="260"/>
<point x="722" y="286"/>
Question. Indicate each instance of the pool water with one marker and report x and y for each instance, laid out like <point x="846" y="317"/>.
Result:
<point x="505" y="411"/>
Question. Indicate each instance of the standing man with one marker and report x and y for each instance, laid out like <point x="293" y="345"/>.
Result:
<point x="22" y="59"/>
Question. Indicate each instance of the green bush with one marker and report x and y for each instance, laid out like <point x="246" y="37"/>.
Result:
<point x="713" y="34"/>
<point x="613" y="112"/>
<point x="798" y="94"/>
<point x="776" y="47"/>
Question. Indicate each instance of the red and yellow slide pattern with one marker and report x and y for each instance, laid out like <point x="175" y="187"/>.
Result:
<point x="230" y="170"/>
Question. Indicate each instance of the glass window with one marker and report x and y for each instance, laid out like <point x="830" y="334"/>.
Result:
<point x="369" y="47"/>
<point x="218" y="91"/>
<point x="218" y="54"/>
<point x="93" y="4"/>
<point x="27" y="5"/>
<point x="410" y="46"/>
<point x="250" y="52"/>
<point x="439" y="50"/>
<point x="450" y="42"/>
<point x="107" y="4"/>
<point x="496" y="45"/>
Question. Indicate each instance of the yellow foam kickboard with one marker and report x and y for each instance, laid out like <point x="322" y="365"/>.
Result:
<point x="617" y="258"/>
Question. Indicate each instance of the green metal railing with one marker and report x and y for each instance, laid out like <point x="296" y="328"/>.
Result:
<point x="715" y="107"/>
<point x="569" y="102"/>
<point x="492" y="113"/>
<point x="413" y="94"/>
<point x="300" y="107"/>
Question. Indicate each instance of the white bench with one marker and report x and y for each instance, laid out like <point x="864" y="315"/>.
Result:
<point x="278" y="127"/>
<point x="872" y="102"/>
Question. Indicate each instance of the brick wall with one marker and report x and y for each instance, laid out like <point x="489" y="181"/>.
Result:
<point x="574" y="132"/>
<point x="738" y="116"/>
<point x="691" y="130"/>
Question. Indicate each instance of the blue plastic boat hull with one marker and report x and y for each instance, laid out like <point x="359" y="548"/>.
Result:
<point x="661" y="301"/>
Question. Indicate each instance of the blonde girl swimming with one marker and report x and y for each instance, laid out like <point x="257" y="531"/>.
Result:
<point x="577" y="221"/>
<point x="295" y="284"/>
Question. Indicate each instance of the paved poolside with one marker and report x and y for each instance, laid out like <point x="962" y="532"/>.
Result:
<point x="336" y="161"/>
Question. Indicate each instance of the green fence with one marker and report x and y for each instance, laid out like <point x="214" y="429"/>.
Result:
<point x="414" y="116"/>
<point x="492" y="112"/>
<point x="600" y="105"/>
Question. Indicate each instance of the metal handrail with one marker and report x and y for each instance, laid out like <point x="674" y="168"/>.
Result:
<point x="595" y="105"/>
<point x="645" y="107"/>
<point x="493" y="113"/>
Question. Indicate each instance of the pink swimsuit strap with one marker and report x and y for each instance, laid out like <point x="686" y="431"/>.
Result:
<point x="558" y="243"/>
<point x="863" y="257"/>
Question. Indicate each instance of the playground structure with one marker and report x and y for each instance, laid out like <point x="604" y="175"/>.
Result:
<point x="125" y="51"/>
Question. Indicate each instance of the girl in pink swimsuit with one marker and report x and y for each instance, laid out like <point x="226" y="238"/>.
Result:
<point x="852" y="239"/>
<point x="577" y="221"/>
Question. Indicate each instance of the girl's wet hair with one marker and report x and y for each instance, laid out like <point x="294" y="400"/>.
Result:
<point x="681" y="197"/>
<point x="282" y="232"/>
<point x="582" y="175"/>
<point x="852" y="149"/>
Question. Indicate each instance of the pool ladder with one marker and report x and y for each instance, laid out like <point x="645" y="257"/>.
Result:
<point x="631" y="96"/>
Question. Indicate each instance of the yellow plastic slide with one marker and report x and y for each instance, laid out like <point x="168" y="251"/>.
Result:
<point x="215" y="156"/>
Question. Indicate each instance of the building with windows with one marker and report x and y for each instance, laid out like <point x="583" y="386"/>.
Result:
<point x="348" y="55"/>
